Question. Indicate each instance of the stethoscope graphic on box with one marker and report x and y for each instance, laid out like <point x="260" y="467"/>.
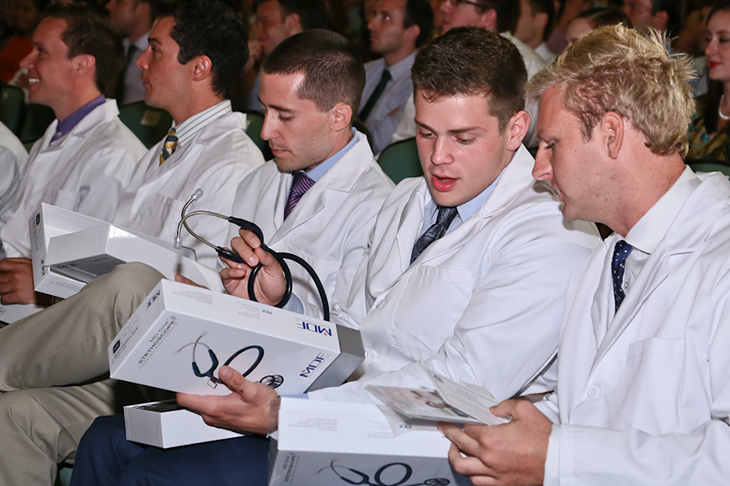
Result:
<point x="230" y="255"/>
<point x="274" y="381"/>
<point x="364" y="479"/>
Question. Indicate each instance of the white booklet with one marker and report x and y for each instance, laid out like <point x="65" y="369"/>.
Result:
<point x="450" y="402"/>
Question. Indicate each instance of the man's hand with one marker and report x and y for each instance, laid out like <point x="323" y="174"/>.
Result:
<point x="244" y="410"/>
<point x="509" y="454"/>
<point x="16" y="281"/>
<point x="270" y="284"/>
<point x="183" y="279"/>
<point x="255" y="53"/>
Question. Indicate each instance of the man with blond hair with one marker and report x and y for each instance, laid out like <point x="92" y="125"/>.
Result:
<point x="643" y="380"/>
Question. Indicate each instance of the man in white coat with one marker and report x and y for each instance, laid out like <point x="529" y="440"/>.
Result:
<point x="308" y="124"/>
<point x="643" y="379"/>
<point x="190" y="79"/>
<point x="465" y="274"/>
<point x="187" y="72"/>
<point x="86" y="157"/>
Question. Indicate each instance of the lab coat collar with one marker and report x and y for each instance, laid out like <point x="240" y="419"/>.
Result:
<point x="711" y="196"/>
<point x="342" y="178"/>
<point x="88" y="123"/>
<point x="515" y="177"/>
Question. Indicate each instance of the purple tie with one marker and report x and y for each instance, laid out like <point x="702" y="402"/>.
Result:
<point x="301" y="184"/>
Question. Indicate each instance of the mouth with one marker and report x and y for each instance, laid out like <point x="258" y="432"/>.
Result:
<point x="443" y="184"/>
<point x="713" y="64"/>
<point x="33" y="81"/>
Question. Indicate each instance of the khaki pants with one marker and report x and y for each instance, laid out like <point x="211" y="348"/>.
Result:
<point x="54" y="374"/>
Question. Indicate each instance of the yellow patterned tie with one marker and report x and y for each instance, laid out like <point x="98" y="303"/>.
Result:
<point x="168" y="148"/>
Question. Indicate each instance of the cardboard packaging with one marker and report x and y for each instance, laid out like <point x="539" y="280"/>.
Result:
<point x="336" y="444"/>
<point x="165" y="424"/>
<point x="181" y="335"/>
<point x="69" y="250"/>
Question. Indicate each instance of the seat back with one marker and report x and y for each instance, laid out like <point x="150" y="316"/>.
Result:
<point x="255" y="123"/>
<point x="36" y="120"/>
<point x="400" y="160"/>
<point x="709" y="166"/>
<point x="149" y="124"/>
<point x="11" y="107"/>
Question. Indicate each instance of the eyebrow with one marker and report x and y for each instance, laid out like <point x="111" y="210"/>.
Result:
<point x="152" y="40"/>
<point x="276" y="107"/>
<point x="455" y="131"/>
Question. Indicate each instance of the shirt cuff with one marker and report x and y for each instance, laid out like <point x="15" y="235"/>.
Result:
<point x="552" y="461"/>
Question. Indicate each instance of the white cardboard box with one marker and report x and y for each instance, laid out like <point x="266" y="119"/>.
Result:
<point x="165" y="424"/>
<point x="69" y="250"/>
<point x="336" y="444"/>
<point x="14" y="312"/>
<point x="179" y="329"/>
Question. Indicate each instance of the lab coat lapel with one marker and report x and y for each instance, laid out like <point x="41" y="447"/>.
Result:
<point x="341" y="177"/>
<point x="709" y="197"/>
<point x="515" y="177"/>
<point x="410" y="225"/>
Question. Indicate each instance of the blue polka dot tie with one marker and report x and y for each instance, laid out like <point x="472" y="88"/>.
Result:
<point x="620" y="253"/>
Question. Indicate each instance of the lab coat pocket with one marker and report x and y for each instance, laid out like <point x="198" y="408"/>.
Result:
<point x="648" y="399"/>
<point x="61" y="198"/>
<point x="431" y="303"/>
<point x="156" y="212"/>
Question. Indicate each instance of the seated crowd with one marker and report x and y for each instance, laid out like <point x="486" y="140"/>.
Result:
<point x="533" y="121"/>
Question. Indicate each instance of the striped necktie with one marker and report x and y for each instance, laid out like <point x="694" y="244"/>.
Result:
<point x="168" y="148"/>
<point x="300" y="185"/>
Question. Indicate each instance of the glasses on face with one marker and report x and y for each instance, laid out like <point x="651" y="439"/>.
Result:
<point x="456" y="3"/>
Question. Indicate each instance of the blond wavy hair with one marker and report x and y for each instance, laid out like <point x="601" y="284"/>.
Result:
<point x="615" y="68"/>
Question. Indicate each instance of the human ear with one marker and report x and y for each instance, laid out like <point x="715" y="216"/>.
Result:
<point x="516" y="129"/>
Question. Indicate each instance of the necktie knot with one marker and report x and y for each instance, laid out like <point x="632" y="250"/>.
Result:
<point x="169" y="146"/>
<point x="301" y="183"/>
<point x="621" y="252"/>
<point x="437" y="230"/>
<point x="375" y="96"/>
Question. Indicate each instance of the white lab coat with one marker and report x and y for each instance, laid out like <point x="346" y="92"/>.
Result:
<point x="648" y="404"/>
<point x="12" y="162"/>
<point x="85" y="171"/>
<point x="216" y="160"/>
<point x="481" y="305"/>
<point x="328" y="228"/>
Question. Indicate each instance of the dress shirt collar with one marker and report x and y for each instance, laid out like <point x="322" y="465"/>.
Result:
<point x="467" y="209"/>
<point x="74" y="118"/>
<point x="402" y="67"/>
<point x="653" y="226"/>
<point x="197" y="122"/>
<point x="319" y="171"/>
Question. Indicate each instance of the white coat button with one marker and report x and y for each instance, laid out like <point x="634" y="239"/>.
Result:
<point x="594" y="393"/>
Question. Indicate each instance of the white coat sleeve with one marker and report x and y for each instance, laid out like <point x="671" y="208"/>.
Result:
<point x="510" y="327"/>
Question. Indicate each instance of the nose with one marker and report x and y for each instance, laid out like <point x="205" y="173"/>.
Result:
<point x="371" y="24"/>
<point x="543" y="170"/>
<point x="440" y="153"/>
<point x="711" y="47"/>
<point x="446" y="6"/>
<point x="267" y="129"/>
<point x="27" y="61"/>
<point x="143" y="59"/>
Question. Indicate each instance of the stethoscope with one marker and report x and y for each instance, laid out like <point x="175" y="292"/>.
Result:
<point x="230" y="255"/>
<point x="364" y="479"/>
<point x="274" y="381"/>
